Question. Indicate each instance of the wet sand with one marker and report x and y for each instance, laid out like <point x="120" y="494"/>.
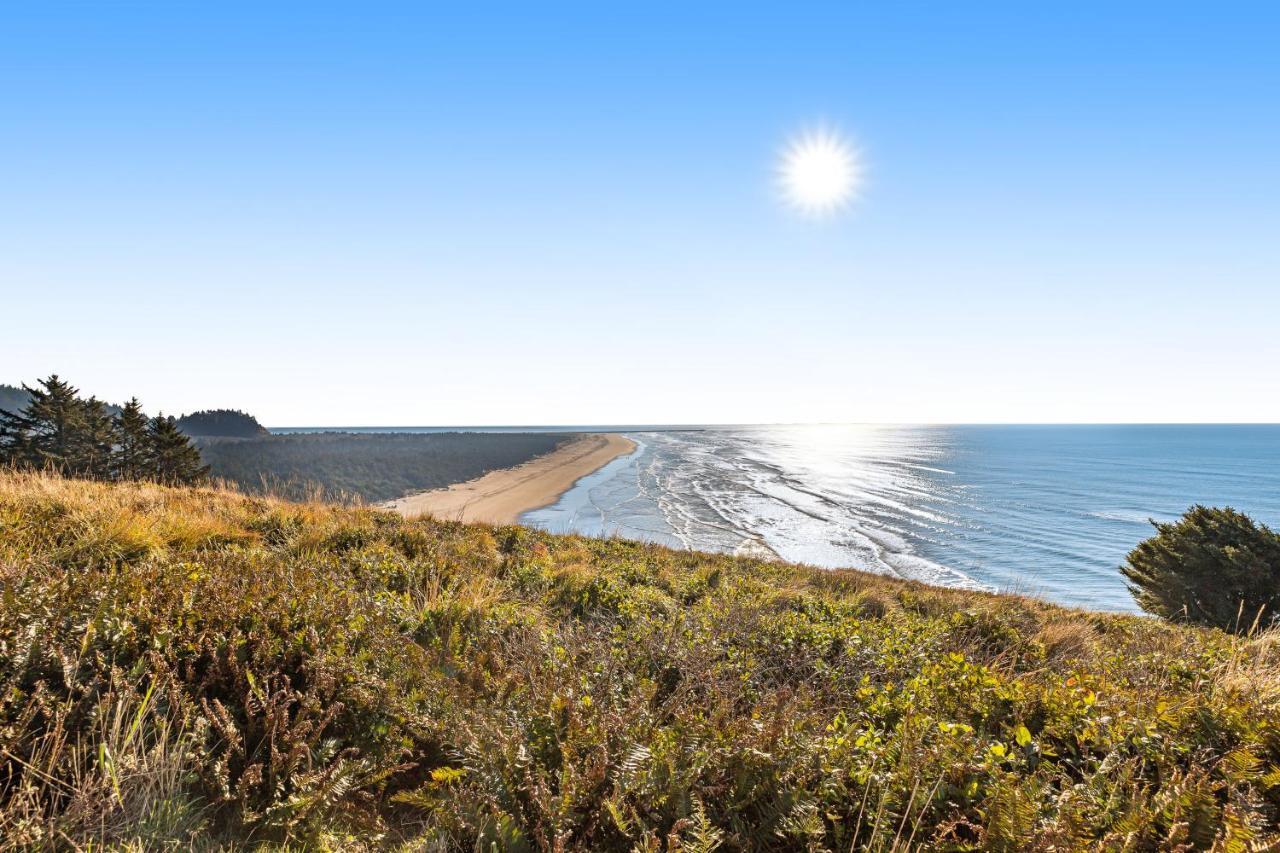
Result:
<point x="500" y="497"/>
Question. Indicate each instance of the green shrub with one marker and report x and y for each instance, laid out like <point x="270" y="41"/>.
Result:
<point x="1213" y="567"/>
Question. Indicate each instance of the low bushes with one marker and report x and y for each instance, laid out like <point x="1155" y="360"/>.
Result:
<point x="192" y="667"/>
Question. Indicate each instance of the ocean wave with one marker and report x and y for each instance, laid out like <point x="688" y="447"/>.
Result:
<point x="973" y="507"/>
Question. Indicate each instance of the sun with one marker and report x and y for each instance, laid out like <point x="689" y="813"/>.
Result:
<point x="819" y="173"/>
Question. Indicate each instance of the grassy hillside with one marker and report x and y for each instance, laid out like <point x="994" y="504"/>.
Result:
<point x="194" y="666"/>
<point x="371" y="466"/>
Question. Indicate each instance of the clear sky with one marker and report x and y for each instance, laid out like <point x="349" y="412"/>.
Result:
<point x="380" y="214"/>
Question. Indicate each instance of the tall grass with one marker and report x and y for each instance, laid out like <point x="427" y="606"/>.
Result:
<point x="192" y="667"/>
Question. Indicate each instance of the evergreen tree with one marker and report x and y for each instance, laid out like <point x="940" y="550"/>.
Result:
<point x="173" y="459"/>
<point x="15" y="439"/>
<point x="1212" y="566"/>
<point x="130" y="459"/>
<point x="49" y="432"/>
<point x="58" y="431"/>
<point x="95" y="445"/>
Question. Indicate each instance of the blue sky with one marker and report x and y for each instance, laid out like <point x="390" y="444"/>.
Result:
<point x="399" y="214"/>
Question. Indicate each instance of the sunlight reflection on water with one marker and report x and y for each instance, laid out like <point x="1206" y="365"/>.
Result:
<point x="1041" y="510"/>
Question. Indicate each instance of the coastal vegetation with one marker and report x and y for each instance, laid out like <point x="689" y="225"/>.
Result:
<point x="58" y="430"/>
<point x="192" y="667"/>
<point x="371" y="467"/>
<point x="1213" y="566"/>
<point x="51" y="426"/>
<point x="222" y="423"/>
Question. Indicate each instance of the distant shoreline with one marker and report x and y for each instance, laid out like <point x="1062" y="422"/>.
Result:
<point x="502" y="496"/>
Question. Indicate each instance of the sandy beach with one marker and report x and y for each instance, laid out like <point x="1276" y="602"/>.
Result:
<point x="499" y="497"/>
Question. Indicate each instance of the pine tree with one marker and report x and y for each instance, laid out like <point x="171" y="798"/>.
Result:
<point x="95" y="445"/>
<point x="58" y="431"/>
<point x="173" y="459"/>
<point x="129" y="462"/>
<point x="15" y="439"/>
<point x="49" y="432"/>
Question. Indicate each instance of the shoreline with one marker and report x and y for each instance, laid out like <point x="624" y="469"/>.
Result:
<point x="502" y="496"/>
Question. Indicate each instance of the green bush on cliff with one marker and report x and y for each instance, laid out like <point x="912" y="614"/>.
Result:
<point x="1212" y="566"/>
<point x="192" y="667"/>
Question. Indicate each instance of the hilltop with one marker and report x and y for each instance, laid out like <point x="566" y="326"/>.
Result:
<point x="222" y="423"/>
<point x="191" y="666"/>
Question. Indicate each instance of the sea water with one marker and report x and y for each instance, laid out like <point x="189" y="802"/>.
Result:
<point x="1041" y="510"/>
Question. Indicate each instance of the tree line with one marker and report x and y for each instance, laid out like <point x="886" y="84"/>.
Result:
<point x="58" y="430"/>
<point x="371" y="467"/>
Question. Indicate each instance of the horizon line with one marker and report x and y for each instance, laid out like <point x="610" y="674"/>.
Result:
<point x="659" y="427"/>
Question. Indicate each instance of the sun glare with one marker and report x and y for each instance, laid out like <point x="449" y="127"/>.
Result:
<point x="819" y="173"/>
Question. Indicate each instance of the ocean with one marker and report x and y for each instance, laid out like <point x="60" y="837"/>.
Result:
<point x="1049" y="511"/>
